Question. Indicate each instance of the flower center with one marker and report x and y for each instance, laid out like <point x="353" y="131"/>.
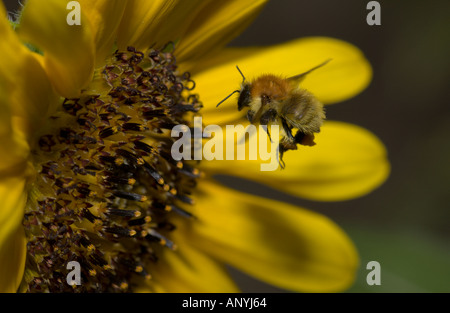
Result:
<point x="107" y="183"/>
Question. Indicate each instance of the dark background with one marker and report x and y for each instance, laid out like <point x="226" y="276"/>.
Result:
<point x="404" y="224"/>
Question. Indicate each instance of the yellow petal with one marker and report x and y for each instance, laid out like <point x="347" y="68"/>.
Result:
<point x="26" y="94"/>
<point x="13" y="148"/>
<point x="216" y="25"/>
<point x="104" y="17"/>
<point x="69" y="50"/>
<point x="155" y="23"/>
<point x="12" y="238"/>
<point x="281" y="244"/>
<point x="346" y="75"/>
<point x="346" y="162"/>
<point x="189" y="270"/>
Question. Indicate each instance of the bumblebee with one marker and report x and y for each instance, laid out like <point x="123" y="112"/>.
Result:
<point x="274" y="100"/>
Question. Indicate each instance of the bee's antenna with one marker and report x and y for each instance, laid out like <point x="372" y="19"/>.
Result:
<point x="241" y="73"/>
<point x="243" y="80"/>
<point x="227" y="97"/>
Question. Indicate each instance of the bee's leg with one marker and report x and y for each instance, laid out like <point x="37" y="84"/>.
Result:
<point x="268" y="133"/>
<point x="304" y="139"/>
<point x="281" y="150"/>
<point x="266" y="118"/>
<point x="286" y="143"/>
<point x="299" y="136"/>
<point x="250" y="116"/>
<point x="287" y="130"/>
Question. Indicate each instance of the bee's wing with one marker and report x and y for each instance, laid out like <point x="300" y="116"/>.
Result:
<point x="298" y="78"/>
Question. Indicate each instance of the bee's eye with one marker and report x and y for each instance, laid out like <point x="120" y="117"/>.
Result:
<point x="244" y="97"/>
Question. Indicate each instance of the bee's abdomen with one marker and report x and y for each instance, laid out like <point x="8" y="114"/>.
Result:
<point x="303" y="111"/>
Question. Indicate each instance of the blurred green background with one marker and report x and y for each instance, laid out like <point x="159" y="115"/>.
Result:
<point x="404" y="224"/>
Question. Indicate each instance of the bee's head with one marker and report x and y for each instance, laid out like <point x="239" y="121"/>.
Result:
<point x="244" y="96"/>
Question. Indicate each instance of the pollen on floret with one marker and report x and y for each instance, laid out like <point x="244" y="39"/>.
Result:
<point x="107" y="184"/>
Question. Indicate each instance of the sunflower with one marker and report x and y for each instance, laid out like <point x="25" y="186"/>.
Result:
<point x="86" y="173"/>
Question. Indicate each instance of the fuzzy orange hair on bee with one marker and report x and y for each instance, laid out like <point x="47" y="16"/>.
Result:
<point x="273" y="99"/>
